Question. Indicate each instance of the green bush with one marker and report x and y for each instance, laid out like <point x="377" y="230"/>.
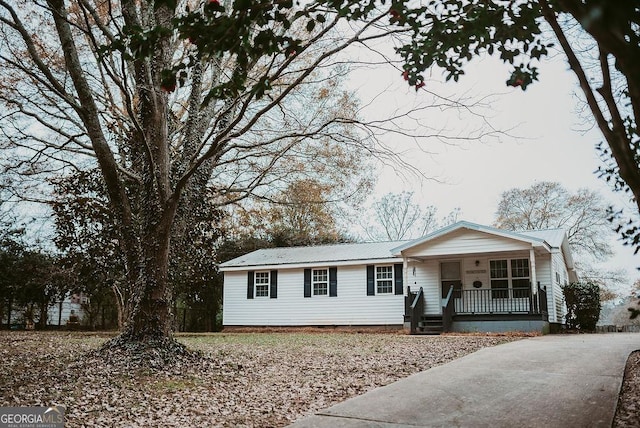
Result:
<point x="583" y="305"/>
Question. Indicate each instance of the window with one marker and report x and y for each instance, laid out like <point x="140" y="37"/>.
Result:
<point x="320" y="282"/>
<point x="509" y="276"/>
<point x="499" y="279"/>
<point x="384" y="279"/>
<point x="262" y="284"/>
<point x="520" y="281"/>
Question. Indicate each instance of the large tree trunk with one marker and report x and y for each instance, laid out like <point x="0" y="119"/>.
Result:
<point x="143" y="208"/>
<point x="147" y="333"/>
<point x="151" y="315"/>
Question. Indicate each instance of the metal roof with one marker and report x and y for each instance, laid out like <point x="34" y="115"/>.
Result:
<point x="317" y="255"/>
<point x="553" y="237"/>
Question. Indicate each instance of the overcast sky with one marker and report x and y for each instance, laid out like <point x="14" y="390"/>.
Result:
<point x="547" y="141"/>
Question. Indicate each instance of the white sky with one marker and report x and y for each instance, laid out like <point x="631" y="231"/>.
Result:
<point x="553" y="144"/>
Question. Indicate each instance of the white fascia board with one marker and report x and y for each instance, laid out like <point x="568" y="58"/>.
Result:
<point x="545" y="245"/>
<point x="312" y="265"/>
<point x="471" y="226"/>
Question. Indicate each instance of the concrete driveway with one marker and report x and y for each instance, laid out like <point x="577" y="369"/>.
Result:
<point x="548" y="381"/>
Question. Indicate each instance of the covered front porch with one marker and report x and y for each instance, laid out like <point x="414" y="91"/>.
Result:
<point x="469" y="277"/>
<point x="510" y="309"/>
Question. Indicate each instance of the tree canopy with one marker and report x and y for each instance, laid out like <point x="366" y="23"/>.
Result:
<point x="600" y="40"/>
<point x="397" y="216"/>
<point x="549" y="205"/>
<point x="178" y="102"/>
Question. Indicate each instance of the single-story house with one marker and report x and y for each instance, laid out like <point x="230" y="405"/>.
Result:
<point x="464" y="277"/>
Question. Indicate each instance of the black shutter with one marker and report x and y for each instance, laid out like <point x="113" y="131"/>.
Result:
<point x="397" y="276"/>
<point x="250" y="285"/>
<point x="307" y="283"/>
<point x="371" y="283"/>
<point x="274" y="284"/>
<point x="333" y="282"/>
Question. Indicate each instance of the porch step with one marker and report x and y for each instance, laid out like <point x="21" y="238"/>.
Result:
<point x="430" y="324"/>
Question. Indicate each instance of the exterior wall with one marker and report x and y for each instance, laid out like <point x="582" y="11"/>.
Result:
<point x="466" y="241"/>
<point x="560" y="277"/>
<point x="426" y="275"/>
<point x="68" y="305"/>
<point x="352" y="306"/>
<point x="544" y="275"/>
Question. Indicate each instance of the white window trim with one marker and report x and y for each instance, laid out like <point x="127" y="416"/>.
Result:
<point x="267" y="284"/>
<point x="313" y="283"/>
<point x="376" y="279"/>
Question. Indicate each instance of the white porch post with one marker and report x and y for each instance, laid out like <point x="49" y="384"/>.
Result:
<point x="405" y="270"/>
<point x="532" y="264"/>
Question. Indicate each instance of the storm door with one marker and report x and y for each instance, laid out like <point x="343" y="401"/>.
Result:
<point x="451" y="275"/>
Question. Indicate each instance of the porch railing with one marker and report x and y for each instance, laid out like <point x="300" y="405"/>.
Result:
<point x="542" y="302"/>
<point x="500" y="301"/>
<point x="414" y="308"/>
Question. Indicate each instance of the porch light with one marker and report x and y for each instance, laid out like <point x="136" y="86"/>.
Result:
<point x="477" y="263"/>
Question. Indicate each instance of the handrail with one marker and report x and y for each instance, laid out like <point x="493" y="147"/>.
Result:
<point x="447" y="311"/>
<point x="416" y="310"/>
<point x="543" y="307"/>
<point x="416" y="300"/>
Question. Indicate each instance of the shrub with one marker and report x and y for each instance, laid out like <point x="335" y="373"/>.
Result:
<point x="583" y="305"/>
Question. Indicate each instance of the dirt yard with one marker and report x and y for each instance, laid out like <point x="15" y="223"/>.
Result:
<point x="244" y="379"/>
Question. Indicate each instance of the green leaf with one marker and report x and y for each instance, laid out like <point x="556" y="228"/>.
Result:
<point x="311" y="25"/>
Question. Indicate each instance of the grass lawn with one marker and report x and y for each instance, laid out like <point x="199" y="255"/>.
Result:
<point x="243" y="379"/>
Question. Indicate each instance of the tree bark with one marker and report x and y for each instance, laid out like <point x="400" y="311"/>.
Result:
<point x="145" y="212"/>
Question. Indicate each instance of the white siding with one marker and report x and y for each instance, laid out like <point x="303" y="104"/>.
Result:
<point x="53" y="313"/>
<point x="544" y="275"/>
<point x="472" y="273"/>
<point x="559" y="267"/>
<point x="427" y="276"/>
<point x="352" y="306"/>
<point x="466" y="242"/>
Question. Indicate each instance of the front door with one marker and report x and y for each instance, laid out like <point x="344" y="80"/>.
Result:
<point x="450" y="275"/>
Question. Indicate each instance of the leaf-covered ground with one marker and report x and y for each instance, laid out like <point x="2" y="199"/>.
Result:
<point x="628" y="412"/>
<point x="243" y="379"/>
